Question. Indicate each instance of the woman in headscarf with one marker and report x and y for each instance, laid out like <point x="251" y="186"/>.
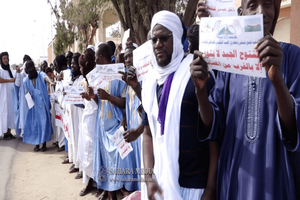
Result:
<point x="7" y="79"/>
<point x="258" y="118"/>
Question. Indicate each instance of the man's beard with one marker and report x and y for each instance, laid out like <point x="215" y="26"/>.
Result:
<point x="32" y="74"/>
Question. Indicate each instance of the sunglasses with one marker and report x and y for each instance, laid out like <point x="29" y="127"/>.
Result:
<point x="162" y="38"/>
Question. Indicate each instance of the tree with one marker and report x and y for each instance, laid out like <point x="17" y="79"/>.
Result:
<point x="136" y="15"/>
<point x="85" y="16"/>
<point x="64" y="37"/>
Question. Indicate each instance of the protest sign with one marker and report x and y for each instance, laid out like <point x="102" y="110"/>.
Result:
<point x="142" y="60"/>
<point x="102" y="74"/>
<point x="124" y="40"/>
<point x="228" y="44"/>
<point x="123" y="147"/>
<point x="59" y="116"/>
<point x="72" y="95"/>
<point x="221" y="8"/>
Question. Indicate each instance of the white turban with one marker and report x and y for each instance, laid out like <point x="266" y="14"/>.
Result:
<point x="172" y="22"/>
<point x="91" y="47"/>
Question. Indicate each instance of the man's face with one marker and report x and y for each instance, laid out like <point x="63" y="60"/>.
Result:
<point x="5" y="60"/>
<point x="56" y="68"/>
<point x="162" y="43"/>
<point x="82" y="70"/>
<point x="50" y="75"/>
<point x="98" y="58"/>
<point x="74" y="66"/>
<point x="264" y="7"/>
<point x="69" y="58"/>
<point x="128" y="56"/>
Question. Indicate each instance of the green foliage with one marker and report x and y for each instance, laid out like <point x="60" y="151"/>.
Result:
<point x="63" y="39"/>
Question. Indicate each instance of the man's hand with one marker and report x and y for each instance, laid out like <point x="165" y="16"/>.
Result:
<point x="131" y="135"/>
<point x="124" y="76"/>
<point x="102" y="94"/>
<point x="18" y="69"/>
<point x="90" y="93"/>
<point x="152" y="188"/>
<point x="199" y="71"/>
<point x="131" y="77"/>
<point x="201" y="10"/>
<point x="12" y="80"/>
<point x="270" y="55"/>
<point x="85" y="95"/>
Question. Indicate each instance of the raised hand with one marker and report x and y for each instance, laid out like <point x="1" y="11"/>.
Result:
<point x="270" y="55"/>
<point x="201" y="10"/>
<point x="131" y="77"/>
<point x="199" y="71"/>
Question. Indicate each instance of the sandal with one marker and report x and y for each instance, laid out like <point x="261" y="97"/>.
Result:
<point x="11" y="136"/>
<point x="85" y="191"/>
<point x="98" y="193"/>
<point x="36" y="148"/>
<point x="79" y="175"/>
<point x="6" y="137"/>
<point x="44" y="149"/>
<point x="74" y="170"/>
<point x="66" y="161"/>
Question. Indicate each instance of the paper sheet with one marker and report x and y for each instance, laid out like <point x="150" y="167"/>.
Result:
<point x="29" y="100"/>
<point x="124" y="40"/>
<point x="228" y="43"/>
<point x="221" y="8"/>
<point x="123" y="147"/>
<point x="142" y="60"/>
<point x="102" y="74"/>
<point x="59" y="116"/>
<point x="73" y="95"/>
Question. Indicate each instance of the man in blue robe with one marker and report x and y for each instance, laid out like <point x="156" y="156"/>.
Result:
<point x="109" y="117"/>
<point x="38" y="128"/>
<point x="257" y="118"/>
<point x="19" y="101"/>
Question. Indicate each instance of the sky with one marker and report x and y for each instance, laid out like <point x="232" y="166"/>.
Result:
<point x="25" y="28"/>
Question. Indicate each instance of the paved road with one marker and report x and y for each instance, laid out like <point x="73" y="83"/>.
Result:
<point x="25" y="174"/>
<point x="7" y="154"/>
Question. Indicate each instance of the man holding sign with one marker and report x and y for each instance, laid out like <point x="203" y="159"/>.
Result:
<point x="111" y="102"/>
<point x="258" y="118"/>
<point x="170" y="143"/>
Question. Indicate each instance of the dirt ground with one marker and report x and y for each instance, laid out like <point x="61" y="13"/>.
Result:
<point x="29" y="175"/>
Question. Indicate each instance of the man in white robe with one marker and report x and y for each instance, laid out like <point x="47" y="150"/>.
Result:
<point x="7" y="80"/>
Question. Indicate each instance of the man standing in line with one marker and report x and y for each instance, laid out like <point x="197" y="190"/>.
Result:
<point x="184" y="167"/>
<point x="38" y="128"/>
<point x="7" y="81"/>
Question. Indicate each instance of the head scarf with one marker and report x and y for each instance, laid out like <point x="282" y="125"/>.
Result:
<point x="277" y="9"/>
<point x="32" y="74"/>
<point x="77" y="73"/>
<point x="91" y="47"/>
<point x="76" y="57"/>
<point x="5" y="67"/>
<point x="172" y="22"/>
<point x="26" y="57"/>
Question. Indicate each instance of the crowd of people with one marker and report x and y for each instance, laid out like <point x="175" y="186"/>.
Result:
<point x="202" y="134"/>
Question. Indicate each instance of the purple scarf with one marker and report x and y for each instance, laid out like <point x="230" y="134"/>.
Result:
<point x="164" y="102"/>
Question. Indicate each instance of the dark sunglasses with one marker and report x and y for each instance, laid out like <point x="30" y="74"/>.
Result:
<point x="162" y="38"/>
